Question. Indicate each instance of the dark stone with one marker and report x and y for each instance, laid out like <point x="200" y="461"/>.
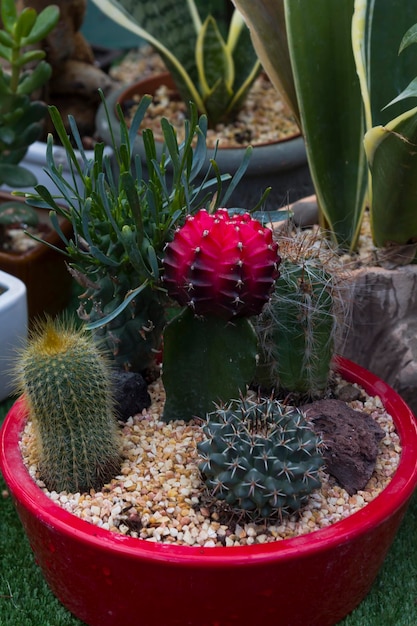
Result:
<point x="351" y="439"/>
<point x="305" y="212"/>
<point x="131" y="394"/>
<point x="348" y="393"/>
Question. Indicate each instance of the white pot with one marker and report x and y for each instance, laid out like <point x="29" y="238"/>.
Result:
<point x="13" y="327"/>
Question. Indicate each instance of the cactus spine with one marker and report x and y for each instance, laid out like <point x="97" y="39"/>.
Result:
<point x="260" y="457"/>
<point x="298" y="326"/>
<point x="66" y="382"/>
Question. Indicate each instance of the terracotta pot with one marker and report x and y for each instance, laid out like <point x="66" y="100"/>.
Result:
<point x="42" y="269"/>
<point x="108" y="579"/>
<point x="281" y="165"/>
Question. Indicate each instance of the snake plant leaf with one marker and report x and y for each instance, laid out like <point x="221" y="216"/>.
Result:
<point x="216" y="70"/>
<point x="331" y="110"/>
<point x="409" y="92"/>
<point x="391" y="128"/>
<point x="213" y="58"/>
<point x="388" y="72"/>
<point x="171" y="27"/>
<point x="392" y="156"/>
<point x="239" y="44"/>
<point x="409" y="38"/>
<point x="215" y="99"/>
<point x="213" y="72"/>
<point x="266" y="22"/>
<point x="221" y="87"/>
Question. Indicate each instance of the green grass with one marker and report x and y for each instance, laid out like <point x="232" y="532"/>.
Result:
<point x="25" y="599"/>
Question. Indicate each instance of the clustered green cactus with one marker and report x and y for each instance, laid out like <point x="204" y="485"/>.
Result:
<point x="21" y="119"/>
<point x="67" y="386"/>
<point x="260" y="457"/>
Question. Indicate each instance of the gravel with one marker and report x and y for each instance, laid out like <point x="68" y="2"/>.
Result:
<point x="159" y="495"/>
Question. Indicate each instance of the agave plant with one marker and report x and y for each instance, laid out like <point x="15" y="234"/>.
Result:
<point x="343" y="84"/>
<point x="21" y="118"/>
<point x="122" y="220"/>
<point x="214" y="72"/>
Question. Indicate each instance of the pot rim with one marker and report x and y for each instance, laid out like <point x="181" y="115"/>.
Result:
<point x="392" y="498"/>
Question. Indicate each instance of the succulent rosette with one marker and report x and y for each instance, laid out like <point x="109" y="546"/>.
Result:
<point x="221" y="264"/>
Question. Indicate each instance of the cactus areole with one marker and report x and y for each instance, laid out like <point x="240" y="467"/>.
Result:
<point x="221" y="264"/>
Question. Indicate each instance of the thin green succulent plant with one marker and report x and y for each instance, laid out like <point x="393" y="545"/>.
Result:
<point x="122" y="219"/>
<point x="213" y="71"/>
<point x="25" y="70"/>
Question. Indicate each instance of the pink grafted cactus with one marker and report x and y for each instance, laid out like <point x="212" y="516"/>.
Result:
<point x="221" y="264"/>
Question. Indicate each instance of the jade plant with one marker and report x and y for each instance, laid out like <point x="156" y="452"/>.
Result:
<point x="212" y="70"/>
<point x="122" y="219"/>
<point x="24" y="71"/>
<point x="66" y="382"/>
<point x="345" y="68"/>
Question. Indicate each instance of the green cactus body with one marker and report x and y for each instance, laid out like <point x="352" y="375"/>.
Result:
<point x="206" y="360"/>
<point x="297" y="329"/>
<point x="260" y="457"/>
<point x="66" y="382"/>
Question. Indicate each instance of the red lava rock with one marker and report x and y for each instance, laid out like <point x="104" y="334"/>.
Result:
<point x="351" y="439"/>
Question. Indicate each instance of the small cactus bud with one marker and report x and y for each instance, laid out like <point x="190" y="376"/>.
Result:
<point x="222" y="265"/>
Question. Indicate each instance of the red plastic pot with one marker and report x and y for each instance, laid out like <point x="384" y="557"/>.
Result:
<point x="107" y="579"/>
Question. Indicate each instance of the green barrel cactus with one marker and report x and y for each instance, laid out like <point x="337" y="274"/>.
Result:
<point x="260" y="457"/>
<point x="66" y="382"/>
